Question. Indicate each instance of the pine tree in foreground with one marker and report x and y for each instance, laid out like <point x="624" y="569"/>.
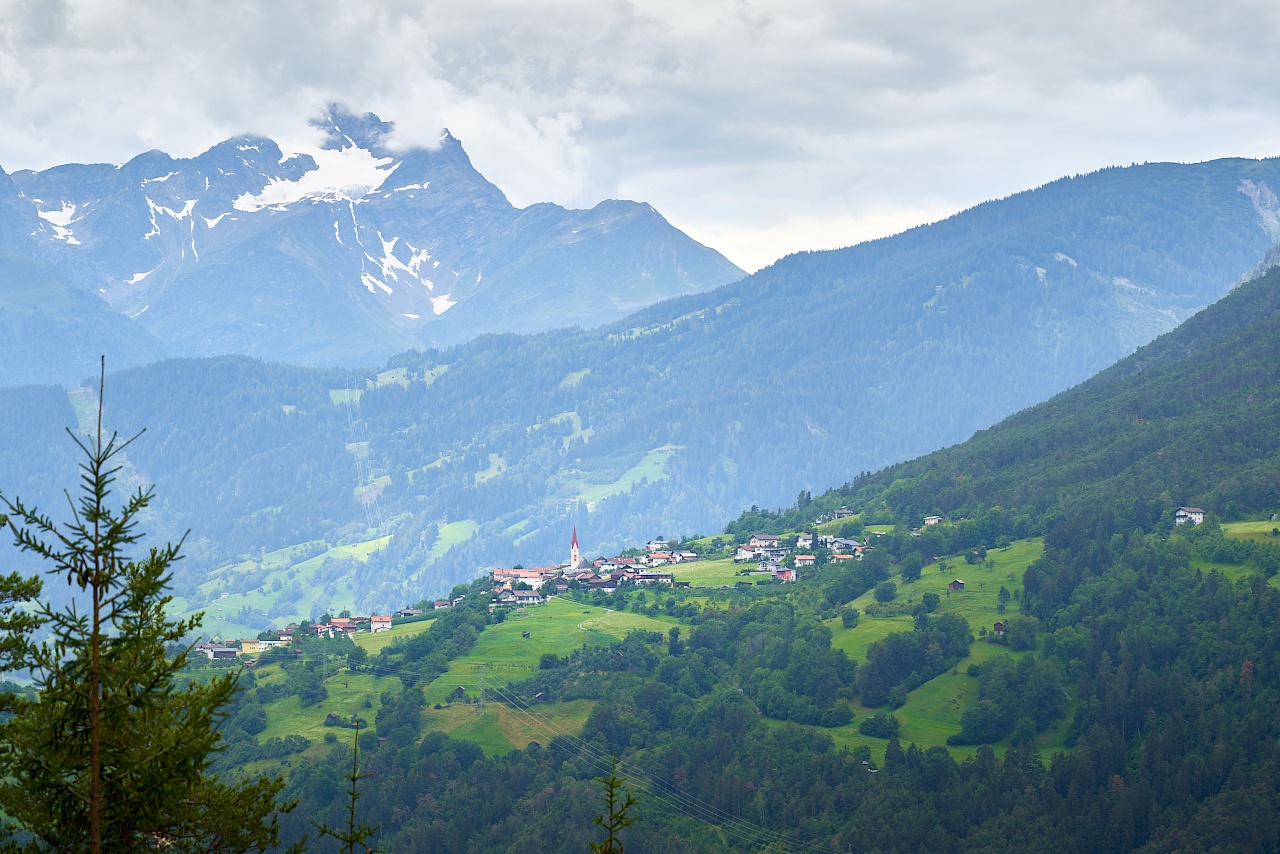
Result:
<point x="354" y="833"/>
<point x="616" y="818"/>
<point x="112" y="754"/>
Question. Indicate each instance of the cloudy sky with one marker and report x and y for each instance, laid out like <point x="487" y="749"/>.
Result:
<point x="760" y="128"/>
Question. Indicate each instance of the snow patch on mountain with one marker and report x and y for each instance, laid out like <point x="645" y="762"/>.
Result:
<point x="138" y="277"/>
<point x="442" y="303"/>
<point x="160" y="180"/>
<point x="60" y="220"/>
<point x="346" y="175"/>
<point x="213" y="223"/>
<point x="1065" y="259"/>
<point x="371" y="282"/>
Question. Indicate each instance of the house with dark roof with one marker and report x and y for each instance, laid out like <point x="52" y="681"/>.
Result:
<point x="1183" y="515"/>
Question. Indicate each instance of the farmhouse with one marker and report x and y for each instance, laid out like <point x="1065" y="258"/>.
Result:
<point x="411" y="612"/>
<point x="931" y="520"/>
<point x="998" y="629"/>
<point x="380" y="623"/>
<point x="1183" y="515"/>
<point x="441" y="604"/>
<point x="763" y="541"/>
<point x="656" y="545"/>
<point x="956" y="584"/>
<point x="648" y="578"/>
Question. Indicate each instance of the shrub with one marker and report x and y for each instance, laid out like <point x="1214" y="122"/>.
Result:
<point x="880" y="725"/>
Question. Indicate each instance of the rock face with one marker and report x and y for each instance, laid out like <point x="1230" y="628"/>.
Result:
<point x="341" y="256"/>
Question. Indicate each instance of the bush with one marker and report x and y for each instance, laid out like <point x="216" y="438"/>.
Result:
<point x="880" y="725"/>
<point x="930" y="602"/>
<point x="886" y="591"/>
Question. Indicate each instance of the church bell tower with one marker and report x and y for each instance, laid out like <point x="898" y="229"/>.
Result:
<point x="574" y="556"/>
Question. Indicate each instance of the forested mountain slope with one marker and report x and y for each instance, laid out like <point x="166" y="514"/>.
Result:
<point x="823" y="365"/>
<point x="1156" y="644"/>
<point x="1190" y="419"/>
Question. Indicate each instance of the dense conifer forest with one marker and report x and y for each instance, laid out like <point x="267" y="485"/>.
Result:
<point x="1168" y="673"/>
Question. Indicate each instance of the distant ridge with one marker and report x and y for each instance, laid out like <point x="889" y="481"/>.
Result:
<point x="340" y="256"/>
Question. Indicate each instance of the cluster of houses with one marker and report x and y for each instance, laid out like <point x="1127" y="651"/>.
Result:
<point x="336" y="627"/>
<point x="768" y="552"/>
<point x="520" y="586"/>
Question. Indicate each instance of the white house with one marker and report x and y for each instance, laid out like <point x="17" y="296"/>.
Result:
<point x="1183" y="515"/>
<point x="380" y="623"/>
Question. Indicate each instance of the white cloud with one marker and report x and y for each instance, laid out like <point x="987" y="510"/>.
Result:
<point x="760" y="128"/>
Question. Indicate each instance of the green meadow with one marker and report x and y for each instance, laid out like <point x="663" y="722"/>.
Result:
<point x="1253" y="531"/>
<point x="652" y="467"/>
<point x="278" y="576"/>
<point x="708" y="573"/>
<point x="502" y="654"/>
<point x="373" y="643"/>
<point x="932" y="711"/>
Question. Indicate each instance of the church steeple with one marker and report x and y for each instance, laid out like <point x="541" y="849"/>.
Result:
<point x="574" y="556"/>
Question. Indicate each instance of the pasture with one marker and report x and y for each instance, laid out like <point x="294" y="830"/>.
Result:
<point x="932" y="711"/>
<point x="502" y="654"/>
<point x="1253" y="531"/>
<point x="709" y="573"/>
<point x="373" y="643"/>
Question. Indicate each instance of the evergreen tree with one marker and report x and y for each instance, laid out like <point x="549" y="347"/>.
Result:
<point x="112" y="754"/>
<point x="617" y="817"/>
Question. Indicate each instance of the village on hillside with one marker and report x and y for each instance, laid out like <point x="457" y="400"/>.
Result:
<point x="763" y="558"/>
<point x="772" y="559"/>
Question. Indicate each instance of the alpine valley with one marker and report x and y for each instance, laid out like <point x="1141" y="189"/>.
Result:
<point x="361" y="382"/>
<point x="441" y="462"/>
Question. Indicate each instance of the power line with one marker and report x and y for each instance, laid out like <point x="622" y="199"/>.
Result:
<point x="683" y="802"/>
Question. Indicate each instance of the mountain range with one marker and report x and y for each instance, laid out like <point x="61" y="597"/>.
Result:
<point x="673" y="419"/>
<point x="342" y="255"/>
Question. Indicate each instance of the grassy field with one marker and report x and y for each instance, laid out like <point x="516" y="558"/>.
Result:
<point x="500" y="728"/>
<point x="709" y="573"/>
<point x="1252" y="531"/>
<point x="651" y="467"/>
<point x="503" y="655"/>
<point x="932" y="711"/>
<point x="261" y="584"/>
<point x="497" y="465"/>
<point x="348" y="694"/>
<point x="449" y="534"/>
<point x="373" y="643"/>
